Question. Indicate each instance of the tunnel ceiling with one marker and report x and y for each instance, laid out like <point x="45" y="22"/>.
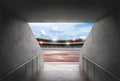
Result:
<point x="60" y="10"/>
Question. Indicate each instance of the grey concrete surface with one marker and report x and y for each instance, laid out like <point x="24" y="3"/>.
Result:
<point x="60" y="11"/>
<point x="103" y="46"/>
<point x="61" y="72"/>
<point x="17" y="47"/>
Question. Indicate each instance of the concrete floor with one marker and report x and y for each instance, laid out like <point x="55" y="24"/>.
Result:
<point x="61" y="72"/>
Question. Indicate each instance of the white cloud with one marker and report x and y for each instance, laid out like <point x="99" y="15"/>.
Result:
<point x="43" y="32"/>
<point x="63" y="31"/>
<point x="54" y="39"/>
<point x="83" y="37"/>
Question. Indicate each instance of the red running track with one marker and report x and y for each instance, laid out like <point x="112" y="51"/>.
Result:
<point x="61" y="56"/>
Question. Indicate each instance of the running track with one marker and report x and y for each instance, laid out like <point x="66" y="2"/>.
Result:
<point x="61" y="54"/>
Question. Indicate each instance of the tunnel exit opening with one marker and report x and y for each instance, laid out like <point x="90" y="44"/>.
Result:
<point x="61" y="42"/>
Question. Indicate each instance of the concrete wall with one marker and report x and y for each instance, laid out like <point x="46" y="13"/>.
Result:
<point x="20" y="54"/>
<point x="100" y="55"/>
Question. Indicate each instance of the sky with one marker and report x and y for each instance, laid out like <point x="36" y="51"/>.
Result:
<point x="61" y="31"/>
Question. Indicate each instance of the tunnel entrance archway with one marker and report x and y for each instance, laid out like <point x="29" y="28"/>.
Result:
<point x="65" y="39"/>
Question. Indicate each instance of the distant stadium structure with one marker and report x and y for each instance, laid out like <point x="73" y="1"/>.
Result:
<point x="59" y="43"/>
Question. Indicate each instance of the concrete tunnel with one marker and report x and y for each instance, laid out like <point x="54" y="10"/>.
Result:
<point x="21" y="56"/>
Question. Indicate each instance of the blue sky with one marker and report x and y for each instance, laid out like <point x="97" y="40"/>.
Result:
<point x="61" y="31"/>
